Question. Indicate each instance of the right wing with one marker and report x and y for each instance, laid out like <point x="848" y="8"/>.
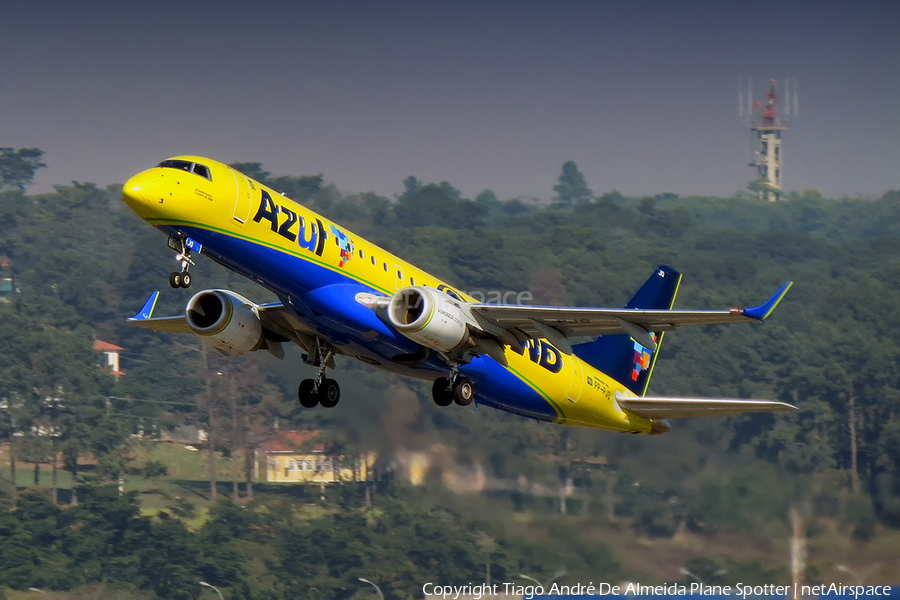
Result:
<point x="657" y="407"/>
<point x="558" y="323"/>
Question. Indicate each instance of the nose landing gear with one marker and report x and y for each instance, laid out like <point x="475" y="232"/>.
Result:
<point x="184" y="248"/>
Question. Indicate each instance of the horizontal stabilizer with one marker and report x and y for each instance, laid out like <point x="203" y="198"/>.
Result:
<point x="679" y="408"/>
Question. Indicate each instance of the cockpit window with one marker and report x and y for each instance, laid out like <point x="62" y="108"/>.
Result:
<point x="176" y="164"/>
<point x="190" y="167"/>
<point x="201" y="170"/>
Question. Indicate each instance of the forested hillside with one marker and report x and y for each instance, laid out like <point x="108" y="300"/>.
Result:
<point x="82" y="263"/>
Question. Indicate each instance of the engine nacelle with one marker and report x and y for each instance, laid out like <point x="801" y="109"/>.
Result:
<point x="226" y="320"/>
<point x="429" y="317"/>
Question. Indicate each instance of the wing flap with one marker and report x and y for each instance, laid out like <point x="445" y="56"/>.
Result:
<point x="679" y="408"/>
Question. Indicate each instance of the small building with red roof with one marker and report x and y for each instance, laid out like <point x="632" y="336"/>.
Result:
<point x="112" y="356"/>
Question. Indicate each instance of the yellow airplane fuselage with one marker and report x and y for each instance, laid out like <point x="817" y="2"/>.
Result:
<point x="292" y="251"/>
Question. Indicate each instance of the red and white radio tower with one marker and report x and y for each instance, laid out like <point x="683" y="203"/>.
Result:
<point x="767" y="125"/>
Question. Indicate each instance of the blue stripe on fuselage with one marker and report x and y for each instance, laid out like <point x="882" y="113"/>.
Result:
<point x="324" y="300"/>
<point x="499" y="387"/>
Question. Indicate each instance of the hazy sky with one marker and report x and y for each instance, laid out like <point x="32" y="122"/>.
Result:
<point x="642" y="95"/>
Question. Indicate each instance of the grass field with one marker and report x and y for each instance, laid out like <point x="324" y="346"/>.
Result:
<point x="186" y="479"/>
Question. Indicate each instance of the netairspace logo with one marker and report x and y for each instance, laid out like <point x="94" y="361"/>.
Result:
<point x="501" y="297"/>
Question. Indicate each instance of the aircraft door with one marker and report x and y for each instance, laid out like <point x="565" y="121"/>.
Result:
<point x="243" y="201"/>
<point x="577" y="378"/>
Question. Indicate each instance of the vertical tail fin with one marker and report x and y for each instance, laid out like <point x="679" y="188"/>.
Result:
<point x="619" y="356"/>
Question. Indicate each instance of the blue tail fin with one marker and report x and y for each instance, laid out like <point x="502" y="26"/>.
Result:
<point x="621" y="357"/>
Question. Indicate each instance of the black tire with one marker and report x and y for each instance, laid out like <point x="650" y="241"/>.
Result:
<point x="305" y="394"/>
<point x="329" y="393"/>
<point x="464" y="391"/>
<point x="175" y="279"/>
<point x="441" y="393"/>
<point x="185" y="280"/>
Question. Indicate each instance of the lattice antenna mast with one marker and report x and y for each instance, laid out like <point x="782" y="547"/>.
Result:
<point x="768" y="125"/>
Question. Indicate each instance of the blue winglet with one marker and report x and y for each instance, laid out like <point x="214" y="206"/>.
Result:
<point x="764" y="310"/>
<point x="147" y="312"/>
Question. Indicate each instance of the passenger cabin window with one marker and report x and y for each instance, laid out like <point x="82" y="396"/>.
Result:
<point x="374" y="261"/>
<point x="412" y="281"/>
<point x="385" y="268"/>
<point x="362" y="254"/>
<point x="190" y="167"/>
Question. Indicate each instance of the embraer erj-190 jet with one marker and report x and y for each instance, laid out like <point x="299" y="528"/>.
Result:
<point x="340" y="294"/>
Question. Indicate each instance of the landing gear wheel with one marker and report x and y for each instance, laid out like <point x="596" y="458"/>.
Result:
<point x="441" y="393"/>
<point x="305" y="394"/>
<point x="175" y="280"/>
<point x="464" y="391"/>
<point x="185" y="280"/>
<point x="329" y="393"/>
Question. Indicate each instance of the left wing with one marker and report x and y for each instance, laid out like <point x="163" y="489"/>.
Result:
<point x="558" y="323"/>
<point x="146" y="320"/>
<point x="677" y="408"/>
<point x="273" y="316"/>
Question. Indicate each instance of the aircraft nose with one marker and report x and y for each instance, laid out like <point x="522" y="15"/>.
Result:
<point x="139" y="190"/>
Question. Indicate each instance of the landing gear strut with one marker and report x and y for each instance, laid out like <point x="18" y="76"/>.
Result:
<point x="181" y="278"/>
<point x="320" y="390"/>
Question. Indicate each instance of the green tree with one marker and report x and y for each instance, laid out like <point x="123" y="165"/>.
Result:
<point x="571" y="188"/>
<point x="18" y="167"/>
<point x="440" y="204"/>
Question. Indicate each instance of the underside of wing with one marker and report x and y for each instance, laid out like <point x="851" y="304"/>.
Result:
<point x="146" y="320"/>
<point x="678" y="408"/>
<point x="176" y="324"/>
<point x="274" y="317"/>
<point x="571" y="322"/>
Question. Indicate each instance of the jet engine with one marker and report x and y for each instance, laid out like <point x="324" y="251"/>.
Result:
<point x="226" y="320"/>
<point x="429" y="317"/>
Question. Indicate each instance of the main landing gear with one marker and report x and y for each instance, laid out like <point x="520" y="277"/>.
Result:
<point x="181" y="279"/>
<point x="447" y="390"/>
<point x="320" y="390"/>
<point x="328" y="393"/>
